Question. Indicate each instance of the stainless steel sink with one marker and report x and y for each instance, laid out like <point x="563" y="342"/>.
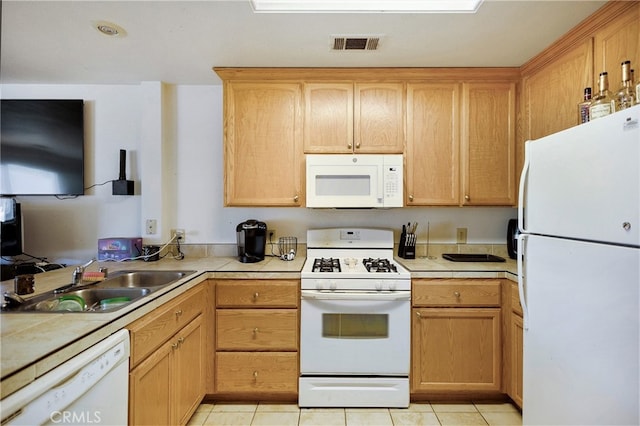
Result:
<point x="135" y="279"/>
<point x="84" y="299"/>
<point x="117" y="291"/>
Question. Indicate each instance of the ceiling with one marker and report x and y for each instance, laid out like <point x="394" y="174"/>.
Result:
<point x="180" y="41"/>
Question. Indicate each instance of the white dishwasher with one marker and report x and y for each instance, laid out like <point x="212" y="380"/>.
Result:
<point x="91" y="388"/>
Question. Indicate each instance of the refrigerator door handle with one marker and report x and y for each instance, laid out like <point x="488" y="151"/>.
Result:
<point x="522" y="188"/>
<point x="521" y="281"/>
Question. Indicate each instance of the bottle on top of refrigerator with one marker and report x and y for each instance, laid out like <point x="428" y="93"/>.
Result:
<point x="637" y="87"/>
<point x="583" y="107"/>
<point x="625" y="97"/>
<point x="602" y="103"/>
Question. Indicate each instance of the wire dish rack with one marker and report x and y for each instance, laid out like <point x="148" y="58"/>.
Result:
<point x="287" y="247"/>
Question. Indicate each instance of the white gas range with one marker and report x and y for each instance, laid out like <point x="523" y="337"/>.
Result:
<point x="355" y="321"/>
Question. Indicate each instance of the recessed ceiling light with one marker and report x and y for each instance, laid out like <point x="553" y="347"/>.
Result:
<point x="109" y="29"/>
<point x="367" y="6"/>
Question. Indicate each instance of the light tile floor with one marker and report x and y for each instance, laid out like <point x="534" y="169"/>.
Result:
<point x="423" y="414"/>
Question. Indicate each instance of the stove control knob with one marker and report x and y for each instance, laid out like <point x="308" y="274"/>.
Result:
<point x="319" y="285"/>
<point x="379" y="285"/>
<point x="332" y="285"/>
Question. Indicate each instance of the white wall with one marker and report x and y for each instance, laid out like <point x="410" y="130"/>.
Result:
<point x="179" y="179"/>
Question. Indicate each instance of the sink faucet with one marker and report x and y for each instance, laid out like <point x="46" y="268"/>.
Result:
<point x="11" y="299"/>
<point x="76" y="278"/>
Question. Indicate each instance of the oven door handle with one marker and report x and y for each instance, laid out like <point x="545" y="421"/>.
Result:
<point x="361" y="295"/>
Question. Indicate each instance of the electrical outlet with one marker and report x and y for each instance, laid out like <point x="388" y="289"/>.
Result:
<point x="179" y="234"/>
<point x="272" y="234"/>
<point x="152" y="226"/>
<point x="461" y="235"/>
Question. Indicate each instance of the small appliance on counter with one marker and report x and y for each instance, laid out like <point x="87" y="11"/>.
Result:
<point x="252" y="240"/>
<point x="512" y="238"/>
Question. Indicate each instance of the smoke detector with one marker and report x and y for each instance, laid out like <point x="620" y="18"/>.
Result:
<point x="355" y="42"/>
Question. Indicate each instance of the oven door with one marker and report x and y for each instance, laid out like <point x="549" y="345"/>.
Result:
<point x="355" y="333"/>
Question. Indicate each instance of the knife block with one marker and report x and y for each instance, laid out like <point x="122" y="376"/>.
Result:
<point x="407" y="246"/>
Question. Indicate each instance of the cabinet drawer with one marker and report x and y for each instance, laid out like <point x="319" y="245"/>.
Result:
<point x="456" y="293"/>
<point x="257" y="329"/>
<point x="271" y="372"/>
<point x="515" y="300"/>
<point x="152" y="330"/>
<point x="263" y="294"/>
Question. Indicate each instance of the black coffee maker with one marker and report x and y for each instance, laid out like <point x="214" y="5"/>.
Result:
<point x="252" y="239"/>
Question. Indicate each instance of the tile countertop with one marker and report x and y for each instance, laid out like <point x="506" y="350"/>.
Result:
<point x="32" y="344"/>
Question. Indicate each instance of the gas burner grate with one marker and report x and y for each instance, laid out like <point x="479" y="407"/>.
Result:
<point x="379" y="265"/>
<point x="326" y="265"/>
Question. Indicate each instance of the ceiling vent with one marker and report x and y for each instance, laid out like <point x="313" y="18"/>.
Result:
<point x="355" y="42"/>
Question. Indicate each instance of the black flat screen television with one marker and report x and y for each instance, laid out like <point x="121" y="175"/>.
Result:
<point x="10" y="227"/>
<point x="41" y="147"/>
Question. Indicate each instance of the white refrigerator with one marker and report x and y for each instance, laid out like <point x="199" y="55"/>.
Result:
<point x="579" y="274"/>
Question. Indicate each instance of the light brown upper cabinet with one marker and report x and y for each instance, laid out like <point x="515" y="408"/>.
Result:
<point x="553" y="81"/>
<point x="263" y="156"/>
<point x="488" y="143"/>
<point x="617" y="42"/>
<point x="461" y="144"/>
<point x="433" y="144"/>
<point x="347" y="117"/>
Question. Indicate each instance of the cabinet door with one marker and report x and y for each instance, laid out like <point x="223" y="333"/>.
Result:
<point x="433" y="142"/>
<point x="263" y="144"/>
<point x="150" y="389"/>
<point x="618" y="41"/>
<point x="488" y="143"/>
<point x="189" y="370"/>
<point x="457" y="349"/>
<point x="515" y="388"/>
<point x="551" y="94"/>
<point x="379" y="118"/>
<point x="328" y="118"/>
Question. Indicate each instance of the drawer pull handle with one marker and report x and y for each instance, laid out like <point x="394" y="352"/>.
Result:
<point x="418" y="314"/>
<point x="255" y="295"/>
<point x="456" y="294"/>
<point x="180" y="340"/>
<point x="178" y="312"/>
<point x="255" y="375"/>
<point x="174" y="346"/>
<point x="255" y="330"/>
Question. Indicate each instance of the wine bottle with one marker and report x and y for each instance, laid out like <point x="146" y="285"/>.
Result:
<point x="602" y="103"/>
<point x="625" y="97"/>
<point x="583" y="107"/>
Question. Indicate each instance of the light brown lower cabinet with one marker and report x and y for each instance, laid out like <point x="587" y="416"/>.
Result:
<point x="456" y="337"/>
<point x="515" y="391"/>
<point x="257" y="339"/>
<point x="258" y="372"/>
<point x="516" y="347"/>
<point x="167" y="383"/>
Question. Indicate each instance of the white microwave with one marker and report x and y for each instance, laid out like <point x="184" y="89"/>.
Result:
<point x="354" y="181"/>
